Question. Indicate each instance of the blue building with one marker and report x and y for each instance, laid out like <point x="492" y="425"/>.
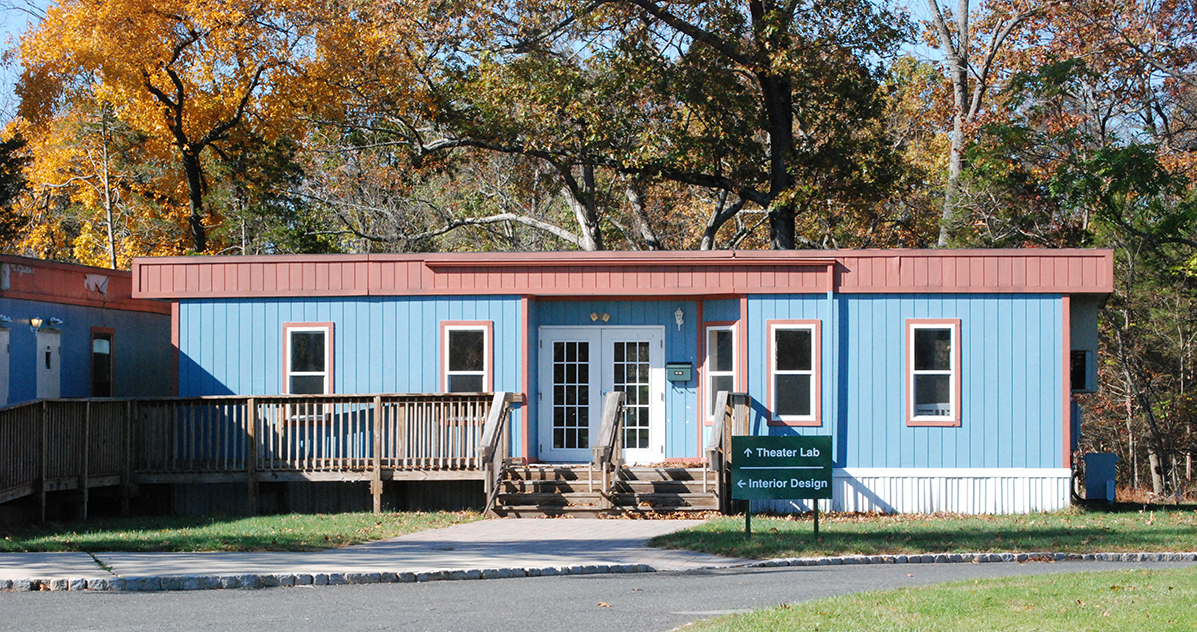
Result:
<point x="75" y="331"/>
<point x="945" y="378"/>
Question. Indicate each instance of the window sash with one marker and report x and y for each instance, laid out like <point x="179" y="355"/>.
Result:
<point x="304" y="384"/>
<point x="782" y="381"/>
<point x="932" y="393"/>
<point x="466" y="380"/>
<point x="715" y="377"/>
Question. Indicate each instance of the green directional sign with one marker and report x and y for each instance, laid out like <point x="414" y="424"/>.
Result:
<point x="776" y="468"/>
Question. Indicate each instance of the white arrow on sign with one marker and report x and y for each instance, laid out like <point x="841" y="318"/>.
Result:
<point x="748" y="452"/>
<point x="741" y="483"/>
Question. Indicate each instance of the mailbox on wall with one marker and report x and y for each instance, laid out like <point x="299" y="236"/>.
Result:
<point x="679" y="371"/>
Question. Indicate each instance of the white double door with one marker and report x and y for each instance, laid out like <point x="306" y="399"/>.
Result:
<point x="578" y="365"/>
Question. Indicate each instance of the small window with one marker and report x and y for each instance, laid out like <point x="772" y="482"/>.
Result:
<point x="933" y="358"/>
<point x="467" y="358"/>
<point x="309" y="359"/>
<point x="794" y="372"/>
<point x="101" y="363"/>
<point x="720" y="366"/>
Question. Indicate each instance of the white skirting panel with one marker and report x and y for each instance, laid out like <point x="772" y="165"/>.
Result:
<point x="954" y="490"/>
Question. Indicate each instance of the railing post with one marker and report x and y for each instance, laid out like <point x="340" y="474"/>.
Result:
<point x="376" y="475"/>
<point x="251" y="457"/>
<point x="127" y="471"/>
<point x="83" y="482"/>
<point x="493" y="447"/>
<point x="44" y="465"/>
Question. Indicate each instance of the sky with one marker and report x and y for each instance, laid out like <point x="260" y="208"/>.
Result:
<point x="15" y="16"/>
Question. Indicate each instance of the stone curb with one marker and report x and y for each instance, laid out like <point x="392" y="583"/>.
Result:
<point x="975" y="558"/>
<point x="274" y="580"/>
<point x="254" y="581"/>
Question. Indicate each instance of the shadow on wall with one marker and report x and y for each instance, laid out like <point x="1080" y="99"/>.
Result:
<point x="196" y="381"/>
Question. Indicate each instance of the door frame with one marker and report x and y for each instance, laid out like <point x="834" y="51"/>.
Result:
<point x="600" y="382"/>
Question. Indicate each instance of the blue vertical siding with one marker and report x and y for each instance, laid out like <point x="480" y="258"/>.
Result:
<point x="142" y="356"/>
<point x="533" y="407"/>
<point x="381" y="345"/>
<point x="1011" y="375"/>
<point x="721" y="310"/>
<point x="1010" y="351"/>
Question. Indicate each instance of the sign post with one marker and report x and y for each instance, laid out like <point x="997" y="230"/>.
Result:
<point x="780" y="468"/>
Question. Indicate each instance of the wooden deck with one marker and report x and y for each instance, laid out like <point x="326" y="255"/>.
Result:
<point x="64" y="444"/>
<point x="52" y="445"/>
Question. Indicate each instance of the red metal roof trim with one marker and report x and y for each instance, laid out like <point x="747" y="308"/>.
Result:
<point x="71" y="284"/>
<point x="672" y="274"/>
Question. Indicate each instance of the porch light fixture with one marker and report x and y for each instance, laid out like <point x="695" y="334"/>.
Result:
<point x="603" y="316"/>
<point x="679" y="316"/>
<point x="54" y="322"/>
<point x="35" y="323"/>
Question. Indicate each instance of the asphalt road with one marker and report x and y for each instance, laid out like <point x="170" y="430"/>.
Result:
<point x="633" y="602"/>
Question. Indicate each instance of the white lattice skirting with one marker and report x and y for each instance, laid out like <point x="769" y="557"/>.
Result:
<point x="955" y="490"/>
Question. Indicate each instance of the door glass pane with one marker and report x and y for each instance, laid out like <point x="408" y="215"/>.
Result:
<point x="793" y="349"/>
<point x="571" y="398"/>
<point x="633" y="367"/>
<point x="307" y="351"/>
<point x="932" y="349"/>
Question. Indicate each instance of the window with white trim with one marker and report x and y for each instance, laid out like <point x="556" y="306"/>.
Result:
<point x="308" y="360"/>
<point x="933" y="358"/>
<point x="720" y="364"/>
<point x="793" y="372"/>
<point x="466" y="365"/>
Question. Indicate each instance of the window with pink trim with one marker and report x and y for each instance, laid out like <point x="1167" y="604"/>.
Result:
<point x="794" y="379"/>
<point x="933" y="372"/>
<point x="467" y="357"/>
<point x="308" y="358"/>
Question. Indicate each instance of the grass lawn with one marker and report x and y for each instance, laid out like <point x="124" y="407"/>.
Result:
<point x="1072" y="531"/>
<point x="288" y="532"/>
<point x="1108" y="601"/>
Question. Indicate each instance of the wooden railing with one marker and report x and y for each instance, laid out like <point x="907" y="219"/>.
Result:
<point x="495" y="440"/>
<point x="734" y="420"/>
<point x="77" y="444"/>
<point x="607" y="449"/>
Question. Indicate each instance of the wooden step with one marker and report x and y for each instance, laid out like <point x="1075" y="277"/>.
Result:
<point x="578" y="499"/>
<point x="661" y="487"/>
<point x="642" y="473"/>
<point x="557" y="490"/>
<point x="666" y="501"/>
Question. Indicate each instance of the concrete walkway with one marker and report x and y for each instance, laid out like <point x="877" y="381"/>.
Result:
<point x="478" y="549"/>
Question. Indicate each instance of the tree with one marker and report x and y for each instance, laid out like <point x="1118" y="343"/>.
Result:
<point x="185" y="72"/>
<point x="12" y="182"/>
<point x="758" y="102"/>
<point x="970" y="70"/>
